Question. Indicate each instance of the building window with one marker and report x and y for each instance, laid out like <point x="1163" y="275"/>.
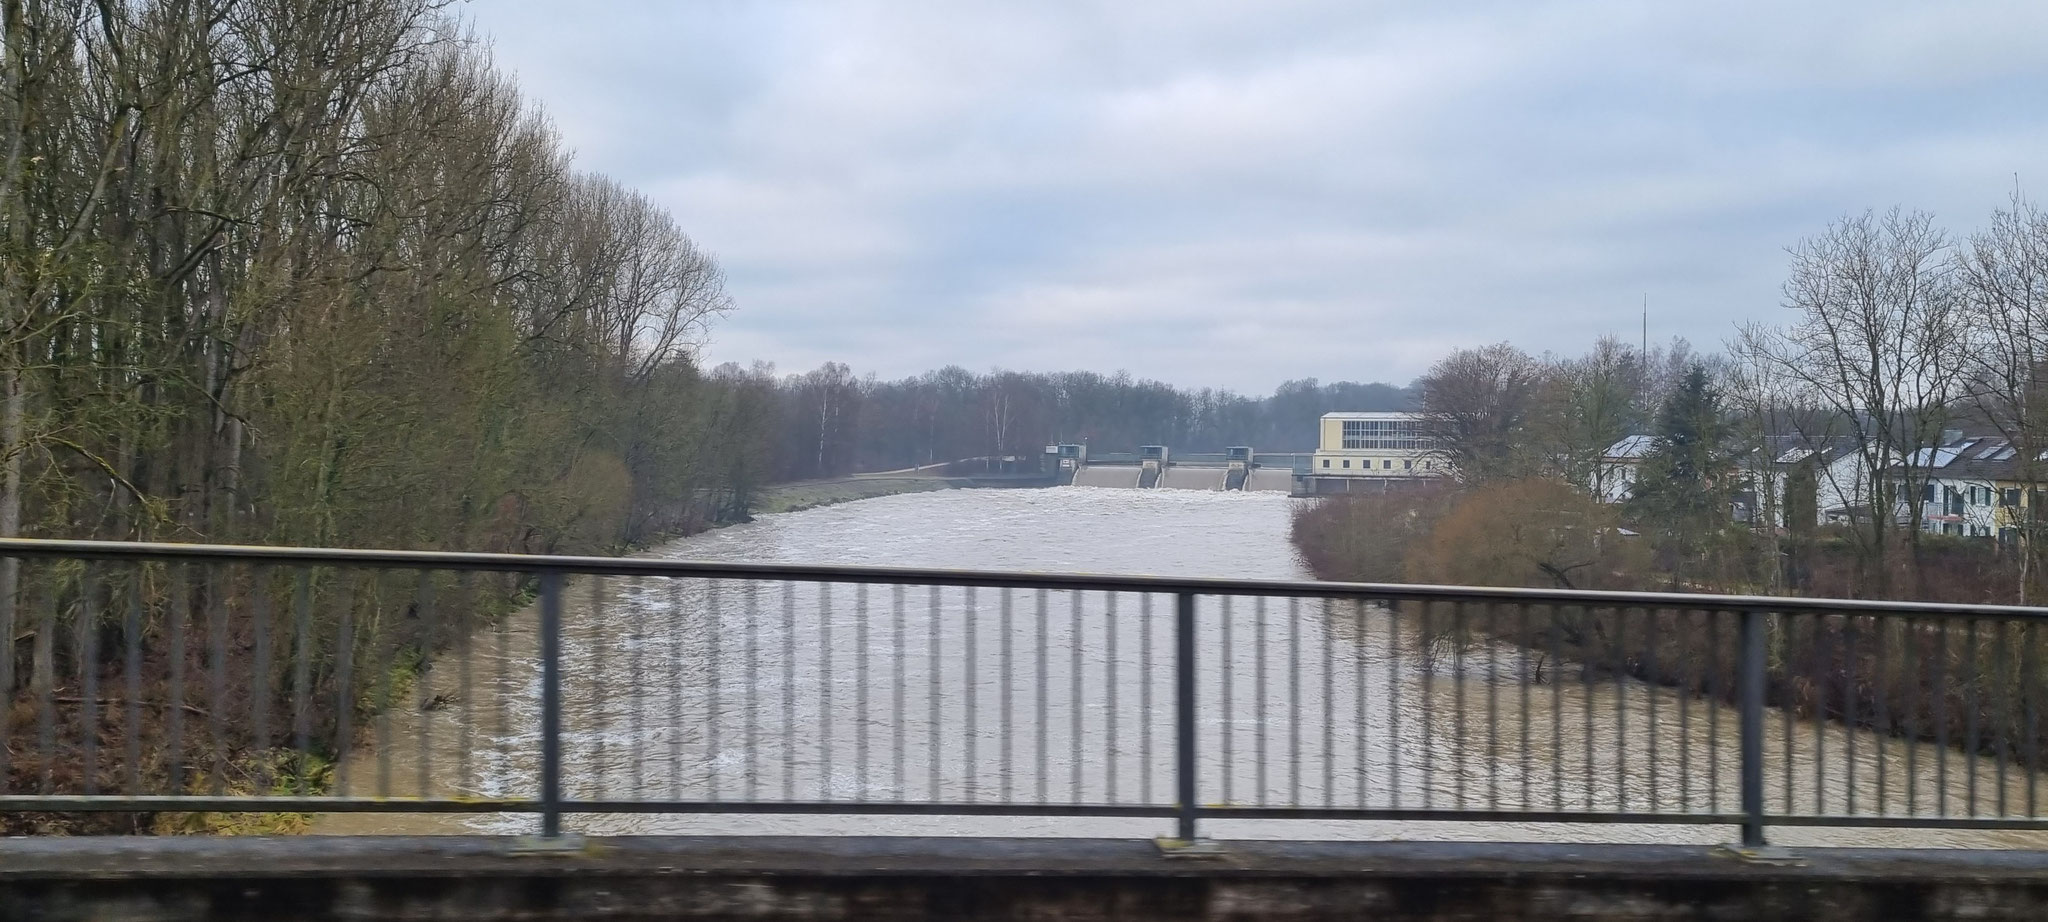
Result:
<point x="1326" y="462"/>
<point x="2010" y="496"/>
<point x="1387" y="465"/>
<point x="1347" y="462"/>
<point x="1407" y="465"/>
<point x="1927" y="493"/>
<point x="1381" y="434"/>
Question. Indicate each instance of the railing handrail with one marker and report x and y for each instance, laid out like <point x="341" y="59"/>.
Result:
<point x="931" y="576"/>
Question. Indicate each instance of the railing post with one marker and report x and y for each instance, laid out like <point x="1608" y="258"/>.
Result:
<point x="1751" y="685"/>
<point x="550" y="705"/>
<point x="1184" y="712"/>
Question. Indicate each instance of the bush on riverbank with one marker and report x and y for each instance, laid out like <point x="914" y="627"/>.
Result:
<point x="1972" y="686"/>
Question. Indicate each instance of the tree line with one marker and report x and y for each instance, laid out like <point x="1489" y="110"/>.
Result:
<point x="1898" y="333"/>
<point x="831" y="422"/>
<point x="313" y="272"/>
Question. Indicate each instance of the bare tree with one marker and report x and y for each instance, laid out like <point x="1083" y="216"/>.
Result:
<point x="1876" y="339"/>
<point x="2004" y="281"/>
<point x="1476" y="405"/>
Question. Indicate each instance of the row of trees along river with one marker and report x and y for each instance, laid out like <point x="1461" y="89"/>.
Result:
<point x="311" y="272"/>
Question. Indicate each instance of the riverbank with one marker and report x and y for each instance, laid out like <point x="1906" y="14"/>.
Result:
<point x="812" y="494"/>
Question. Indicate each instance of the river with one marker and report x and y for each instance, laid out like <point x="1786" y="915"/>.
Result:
<point x="714" y="690"/>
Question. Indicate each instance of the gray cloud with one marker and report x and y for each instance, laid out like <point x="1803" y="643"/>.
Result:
<point x="1231" y="194"/>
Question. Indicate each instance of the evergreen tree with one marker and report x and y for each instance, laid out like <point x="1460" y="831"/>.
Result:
<point x="1684" y="488"/>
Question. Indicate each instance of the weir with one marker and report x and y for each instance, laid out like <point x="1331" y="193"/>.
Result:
<point x="1156" y="467"/>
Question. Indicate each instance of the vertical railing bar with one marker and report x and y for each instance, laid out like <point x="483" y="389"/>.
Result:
<point x="934" y="668"/>
<point x="9" y="612"/>
<point x="134" y="683"/>
<point x="598" y="637"/>
<point x="1881" y="693"/>
<point x="504" y="681"/>
<point x="1973" y="732"/>
<point x="1788" y="629"/>
<point x="636" y="669"/>
<point x="1426" y="659"/>
<point x="1110" y="749"/>
<point x="551" y="704"/>
<point x="752" y="603"/>
<point x="1146" y="718"/>
<point x="1074" y="721"/>
<point x="344" y="682"/>
<point x="1556" y="644"/>
<point x="1850" y="650"/>
<point x="825" y="727"/>
<point x="1044" y="721"/>
<point x="1522" y="680"/>
<point x="216" y="674"/>
<point x="1621" y="707"/>
<point x="1009" y="690"/>
<point x="970" y="679"/>
<point x="1260" y="697"/>
<point x="789" y="730"/>
<point x="1685" y="619"/>
<point x="1227" y="652"/>
<point x="87" y="629"/>
<point x="1294" y="702"/>
<point x="1327" y="634"/>
<point x="1493" y="646"/>
<point x="1910" y="672"/>
<point x="898" y="721"/>
<point x="1394" y="708"/>
<point x="465" y="623"/>
<point x="1586" y="686"/>
<point x="2001" y="733"/>
<point x="1717" y="692"/>
<point x="1361" y="726"/>
<point x="1185" y="792"/>
<point x="1938" y="703"/>
<point x="431" y="629"/>
<point x="1752" y="694"/>
<point x="1460" y="744"/>
<point x="44" y="675"/>
<point x="177" y="609"/>
<point x="259" y="680"/>
<point x="384" y="647"/>
<point x="860" y="704"/>
<point x="2030" y="670"/>
<point x="679" y="631"/>
<point x="302" y="674"/>
<point x="1820" y="637"/>
<point x="1652" y="688"/>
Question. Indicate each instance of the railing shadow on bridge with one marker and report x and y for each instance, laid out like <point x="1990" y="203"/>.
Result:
<point x="208" y="678"/>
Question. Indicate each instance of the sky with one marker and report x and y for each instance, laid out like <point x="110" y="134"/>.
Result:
<point x="1235" y="194"/>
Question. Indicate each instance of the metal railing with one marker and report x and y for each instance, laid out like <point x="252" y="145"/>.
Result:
<point x="188" y="678"/>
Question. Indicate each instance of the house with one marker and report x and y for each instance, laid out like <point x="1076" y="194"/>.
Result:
<point x="1814" y="480"/>
<point x="1974" y="487"/>
<point x="1366" y="451"/>
<point x="1614" y="476"/>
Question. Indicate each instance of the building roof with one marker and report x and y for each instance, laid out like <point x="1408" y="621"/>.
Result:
<point x="1383" y="414"/>
<point x="1975" y="456"/>
<point x="1632" y="446"/>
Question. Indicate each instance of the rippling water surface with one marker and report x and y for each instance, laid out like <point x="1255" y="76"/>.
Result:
<point x="717" y="690"/>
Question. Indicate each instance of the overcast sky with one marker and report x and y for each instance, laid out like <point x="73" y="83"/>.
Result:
<point x="1238" y="193"/>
